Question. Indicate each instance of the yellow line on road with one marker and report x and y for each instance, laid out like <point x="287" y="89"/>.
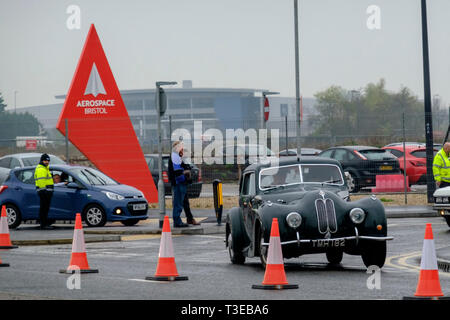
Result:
<point x="402" y="263"/>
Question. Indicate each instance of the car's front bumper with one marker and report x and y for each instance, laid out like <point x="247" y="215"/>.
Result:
<point x="333" y="241"/>
<point x="442" y="209"/>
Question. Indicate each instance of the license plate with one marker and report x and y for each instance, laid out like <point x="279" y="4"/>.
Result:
<point x="140" y="206"/>
<point x="328" y="243"/>
<point x="386" y="168"/>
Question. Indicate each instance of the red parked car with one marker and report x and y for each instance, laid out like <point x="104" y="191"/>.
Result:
<point x="416" y="162"/>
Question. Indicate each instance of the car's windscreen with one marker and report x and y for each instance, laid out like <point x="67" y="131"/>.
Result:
<point x="422" y="153"/>
<point x="92" y="177"/>
<point x="34" y="161"/>
<point x="295" y="174"/>
<point x="375" y="154"/>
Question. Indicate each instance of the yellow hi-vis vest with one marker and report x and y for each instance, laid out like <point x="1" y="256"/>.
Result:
<point x="42" y="177"/>
<point x="441" y="166"/>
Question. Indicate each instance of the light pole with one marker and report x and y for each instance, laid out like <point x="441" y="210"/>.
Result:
<point x="15" y="120"/>
<point x="160" y="99"/>
<point x="297" y="79"/>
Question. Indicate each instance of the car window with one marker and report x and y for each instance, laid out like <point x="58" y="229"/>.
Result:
<point x="26" y="176"/>
<point x="340" y="155"/>
<point x="377" y="154"/>
<point x="63" y="177"/>
<point x="92" y="177"/>
<point x="422" y="153"/>
<point x="152" y="164"/>
<point x="14" y="163"/>
<point x="34" y="160"/>
<point x="327" y="154"/>
<point x="248" y="186"/>
<point x="351" y="156"/>
<point x="278" y="176"/>
<point x="4" y="163"/>
<point x="395" y="152"/>
<point x="321" y="174"/>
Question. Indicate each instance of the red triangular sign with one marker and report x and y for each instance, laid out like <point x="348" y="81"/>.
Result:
<point x="98" y="122"/>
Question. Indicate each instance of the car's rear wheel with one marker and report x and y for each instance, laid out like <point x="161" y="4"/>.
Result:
<point x="130" y="222"/>
<point x="374" y="253"/>
<point x="95" y="216"/>
<point x="334" y="256"/>
<point x="263" y="249"/>
<point x="447" y="219"/>
<point x="14" y="216"/>
<point x="352" y="182"/>
<point x="236" y="256"/>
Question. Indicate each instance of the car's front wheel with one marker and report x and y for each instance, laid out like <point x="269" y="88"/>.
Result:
<point x="14" y="217"/>
<point x="236" y="256"/>
<point x="95" y="216"/>
<point x="447" y="219"/>
<point x="263" y="250"/>
<point x="352" y="182"/>
<point x="334" y="256"/>
<point x="374" y="253"/>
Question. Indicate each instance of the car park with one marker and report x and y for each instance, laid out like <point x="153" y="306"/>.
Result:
<point x="304" y="152"/>
<point x="416" y="162"/>
<point x="20" y="160"/>
<point x="363" y="164"/>
<point x="310" y="199"/>
<point x="84" y="190"/>
<point x="193" y="190"/>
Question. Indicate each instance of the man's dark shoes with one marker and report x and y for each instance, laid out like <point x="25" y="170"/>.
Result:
<point x="193" y="222"/>
<point x="181" y="225"/>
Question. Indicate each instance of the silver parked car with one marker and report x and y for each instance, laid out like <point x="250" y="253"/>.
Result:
<point x="20" y="160"/>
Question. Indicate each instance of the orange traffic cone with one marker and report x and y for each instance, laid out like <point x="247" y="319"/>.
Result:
<point x="275" y="277"/>
<point x="5" y="240"/>
<point x="78" y="260"/>
<point x="428" y="286"/>
<point x="166" y="269"/>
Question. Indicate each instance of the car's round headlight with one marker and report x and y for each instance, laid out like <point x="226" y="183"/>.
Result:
<point x="357" y="215"/>
<point x="294" y="220"/>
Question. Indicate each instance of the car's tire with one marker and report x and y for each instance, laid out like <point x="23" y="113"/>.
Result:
<point x="374" y="253"/>
<point x="236" y="256"/>
<point x="14" y="217"/>
<point x="352" y="182"/>
<point x="263" y="250"/>
<point x="94" y="216"/>
<point x="334" y="256"/>
<point x="447" y="219"/>
<point x="130" y="222"/>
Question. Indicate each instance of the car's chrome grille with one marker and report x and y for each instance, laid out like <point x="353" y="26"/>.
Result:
<point x="331" y="215"/>
<point x="321" y="216"/>
<point x="326" y="216"/>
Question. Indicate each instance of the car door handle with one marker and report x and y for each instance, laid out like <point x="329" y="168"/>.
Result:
<point x="18" y="188"/>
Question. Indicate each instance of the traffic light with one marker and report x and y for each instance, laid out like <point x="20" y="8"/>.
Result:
<point x="162" y="101"/>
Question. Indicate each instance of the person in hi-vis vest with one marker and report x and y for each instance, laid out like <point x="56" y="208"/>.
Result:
<point x="441" y="166"/>
<point x="44" y="187"/>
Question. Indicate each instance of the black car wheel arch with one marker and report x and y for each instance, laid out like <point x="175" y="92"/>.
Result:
<point x="235" y="236"/>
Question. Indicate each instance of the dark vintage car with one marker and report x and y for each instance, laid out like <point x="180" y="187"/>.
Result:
<point x="310" y="198"/>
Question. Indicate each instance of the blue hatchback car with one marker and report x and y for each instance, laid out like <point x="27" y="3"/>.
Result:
<point x="83" y="190"/>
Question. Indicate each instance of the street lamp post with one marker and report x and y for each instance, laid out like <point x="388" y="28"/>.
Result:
<point x="297" y="79"/>
<point x="160" y="109"/>
<point x="15" y="120"/>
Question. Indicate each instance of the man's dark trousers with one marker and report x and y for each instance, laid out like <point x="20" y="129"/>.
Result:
<point x="45" y="197"/>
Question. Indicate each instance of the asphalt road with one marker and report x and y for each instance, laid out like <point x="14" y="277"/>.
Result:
<point x="123" y="266"/>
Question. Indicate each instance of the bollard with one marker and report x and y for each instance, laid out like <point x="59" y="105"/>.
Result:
<point x="218" y="200"/>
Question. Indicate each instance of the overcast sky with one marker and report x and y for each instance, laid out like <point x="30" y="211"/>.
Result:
<point x="224" y="44"/>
